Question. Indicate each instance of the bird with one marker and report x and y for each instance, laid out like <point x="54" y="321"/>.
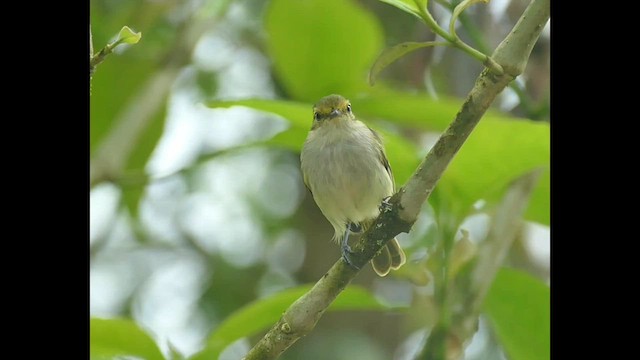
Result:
<point x="345" y="167"/>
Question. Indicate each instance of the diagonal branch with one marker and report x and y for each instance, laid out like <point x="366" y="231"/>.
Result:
<point x="512" y="54"/>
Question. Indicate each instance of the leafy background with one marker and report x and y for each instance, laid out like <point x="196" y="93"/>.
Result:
<point x="201" y="231"/>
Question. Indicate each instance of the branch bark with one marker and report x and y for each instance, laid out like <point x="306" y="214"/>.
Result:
<point x="403" y="209"/>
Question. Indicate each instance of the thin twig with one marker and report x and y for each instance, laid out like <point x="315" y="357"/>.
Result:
<point x="479" y="42"/>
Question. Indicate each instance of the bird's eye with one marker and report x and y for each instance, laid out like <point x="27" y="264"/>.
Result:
<point x="348" y="107"/>
<point x="316" y="115"/>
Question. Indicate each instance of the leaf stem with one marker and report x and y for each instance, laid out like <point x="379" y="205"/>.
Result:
<point x="457" y="11"/>
<point x="126" y="35"/>
<point x="479" y="42"/>
<point x="453" y="38"/>
<point x="432" y="24"/>
<point x="101" y="55"/>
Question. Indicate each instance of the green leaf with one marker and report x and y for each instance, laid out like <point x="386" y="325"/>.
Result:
<point x="146" y="143"/>
<point x="112" y="87"/>
<point x="409" y="6"/>
<point x="321" y="47"/>
<point x="263" y="313"/>
<point x="495" y="153"/>
<point x="499" y="149"/>
<point x="409" y="110"/>
<point x="415" y="110"/>
<point x="395" y="52"/>
<point x="120" y="337"/>
<point x="421" y="3"/>
<point x="298" y="114"/>
<point x="518" y="308"/>
<point x="402" y="154"/>
<point x="128" y="36"/>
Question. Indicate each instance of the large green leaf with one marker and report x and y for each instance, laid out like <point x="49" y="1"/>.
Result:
<point x="499" y="149"/>
<point x="132" y="192"/>
<point x="120" y="337"/>
<point x="495" y="153"/>
<point x="112" y="86"/>
<point x="263" y="313"/>
<point x="408" y="109"/>
<point x="321" y="47"/>
<point x="391" y="54"/>
<point x="298" y="114"/>
<point x="402" y="154"/>
<point x="415" y="110"/>
<point x="518" y="307"/>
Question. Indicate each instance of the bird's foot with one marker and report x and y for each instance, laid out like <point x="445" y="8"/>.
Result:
<point x="347" y="253"/>
<point x="385" y="205"/>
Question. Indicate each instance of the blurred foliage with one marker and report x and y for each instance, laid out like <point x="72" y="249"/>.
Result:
<point x="116" y="83"/>
<point x="518" y="305"/>
<point x="402" y="153"/>
<point x="474" y="173"/>
<point x="309" y="62"/>
<point x="263" y="313"/>
<point x="121" y="337"/>
<point x="123" y="73"/>
<point x="303" y="50"/>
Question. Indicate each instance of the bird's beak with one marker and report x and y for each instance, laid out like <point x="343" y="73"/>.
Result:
<point x="335" y="113"/>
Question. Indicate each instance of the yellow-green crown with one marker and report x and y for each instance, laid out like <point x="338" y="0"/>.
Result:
<point x="331" y="106"/>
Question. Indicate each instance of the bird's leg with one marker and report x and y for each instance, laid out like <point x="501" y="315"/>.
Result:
<point x="346" y="249"/>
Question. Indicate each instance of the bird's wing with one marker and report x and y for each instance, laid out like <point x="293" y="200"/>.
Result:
<point x="306" y="182"/>
<point x="383" y="157"/>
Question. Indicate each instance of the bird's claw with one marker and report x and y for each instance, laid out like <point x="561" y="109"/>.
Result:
<point x="346" y="255"/>
<point x="346" y="249"/>
<point x="385" y="205"/>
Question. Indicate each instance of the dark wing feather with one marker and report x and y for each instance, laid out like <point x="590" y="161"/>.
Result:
<point x="383" y="157"/>
<point x="306" y="184"/>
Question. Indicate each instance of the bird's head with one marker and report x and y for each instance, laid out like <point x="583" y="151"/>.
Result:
<point x="329" y="108"/>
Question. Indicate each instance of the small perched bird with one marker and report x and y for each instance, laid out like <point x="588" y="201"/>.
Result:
<point x="345" y="168"/>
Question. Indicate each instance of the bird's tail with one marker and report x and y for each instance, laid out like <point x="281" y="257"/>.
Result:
<point x="390" y="257"/>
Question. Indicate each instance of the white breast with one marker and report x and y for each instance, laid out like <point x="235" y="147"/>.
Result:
<point x="343" y="169"/>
